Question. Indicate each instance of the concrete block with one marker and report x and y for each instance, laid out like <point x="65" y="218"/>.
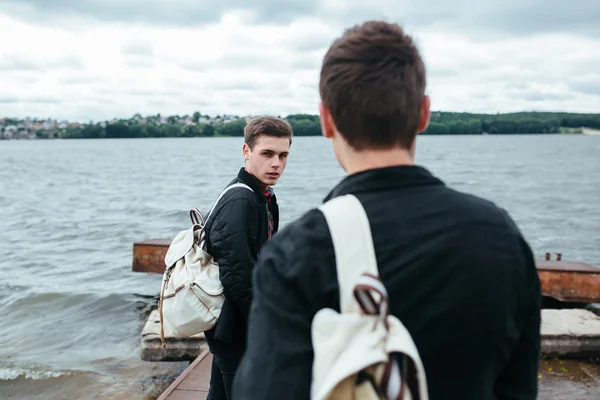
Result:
<point x="177" y="349"/>
<point x="570" y="333"/>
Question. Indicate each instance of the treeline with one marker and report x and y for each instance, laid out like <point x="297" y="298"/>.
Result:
<point x="127" y="129"/>
<point x="442" y="123"/>
<point x="446" y="123"/>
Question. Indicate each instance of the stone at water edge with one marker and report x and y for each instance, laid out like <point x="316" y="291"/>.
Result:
<point x="570" y="332"/>
<point x="177" y="349"/>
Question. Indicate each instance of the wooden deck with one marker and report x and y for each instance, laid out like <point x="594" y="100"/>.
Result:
<point x="193" y="383"/>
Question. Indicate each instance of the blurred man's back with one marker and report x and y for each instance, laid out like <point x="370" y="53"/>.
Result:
<point x="458" y="272"/>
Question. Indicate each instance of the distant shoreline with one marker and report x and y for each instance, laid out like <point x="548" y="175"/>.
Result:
<point x="578" y="132"/>
<point x="199" y="125"/>
<point x="589" y="131"/>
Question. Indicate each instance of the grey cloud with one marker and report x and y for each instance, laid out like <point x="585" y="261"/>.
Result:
<point x="150" y="92"/>
<point x="541" y="96"/>
<point x="139" y="61"/>
<point x="192" y="65"/>
<point x="227" y="61"/>
<point x="306" y="63"/>
<point x="494" y="17"/>
<point x="575" y="16"/>
<point x="586" y="87"/>
<point x="101" y="101"/>
<point x="138" y="54"/>
<point x="481" y="95"/>
<point x="525" y="91"/>
<point x="237" y="60"/>
<point x="124" y="90"/>
<point x="80" y="79"/>
<point x="518" y="86"/>
<point x="35" y="63"/>
<point x="436" y="72"/>
<point x="42" y="100"/>
<point x="161" y="12"/>
<point x="17" y="63"/>
<point x="138" y="49"/>
<point x="308" y="43"/>
<point x="236" y="85"/>
<point x="189" y="102"/>
<point x="234" y="61"/>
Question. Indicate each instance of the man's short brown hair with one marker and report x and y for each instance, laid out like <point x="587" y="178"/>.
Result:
<point x="373" y="83"/>
<point x="268" y="126"/>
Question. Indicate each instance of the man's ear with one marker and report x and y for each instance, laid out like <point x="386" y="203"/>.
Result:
<point x="246" y="151"/>
<point x="327" y="125"/>
<point x="424" y="114"/>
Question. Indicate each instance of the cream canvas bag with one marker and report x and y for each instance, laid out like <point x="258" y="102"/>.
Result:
<point x="362" y="352"/>
<point x="192" y="294"/>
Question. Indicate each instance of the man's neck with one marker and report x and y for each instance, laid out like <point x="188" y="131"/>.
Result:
<point x="373" y="159"/>
<point x="262" y="186"/>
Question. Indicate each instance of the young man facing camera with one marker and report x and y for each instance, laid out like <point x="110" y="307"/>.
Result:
<point x="240" y="224"/>
<point x="458" y="272"/>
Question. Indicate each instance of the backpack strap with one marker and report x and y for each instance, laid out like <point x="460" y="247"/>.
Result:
<point x="354" y="253"/>
<point x="361" y="290"/>
<point x="204" y="221"/>
<point x="228" y="188"/>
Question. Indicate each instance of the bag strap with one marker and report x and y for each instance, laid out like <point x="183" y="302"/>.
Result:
<point x="196" y="215"/>
<point x="354" y="253"/>
<point x="228" y="188"/>
<point x="361" y="290"/>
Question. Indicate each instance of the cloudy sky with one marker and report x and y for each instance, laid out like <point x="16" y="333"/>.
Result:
<point x="99" y="59"/>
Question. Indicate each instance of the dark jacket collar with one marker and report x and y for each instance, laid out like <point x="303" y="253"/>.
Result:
<point x="384" y="178"/>
<point x="253" y="182"/>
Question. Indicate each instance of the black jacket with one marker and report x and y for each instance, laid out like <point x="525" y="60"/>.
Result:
<point x="236" y="231"/>
<point x="458" y="272"/>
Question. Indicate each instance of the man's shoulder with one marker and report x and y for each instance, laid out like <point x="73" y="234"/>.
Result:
<point x="234" y="203"/>
<point x="474" y="209"/>
<point x="240" y="193"/>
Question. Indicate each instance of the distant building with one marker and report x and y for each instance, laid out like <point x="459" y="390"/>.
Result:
<point x="10" y="131"/>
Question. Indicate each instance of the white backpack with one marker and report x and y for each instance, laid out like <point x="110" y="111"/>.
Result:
<point x="192" y="294"/>
<point x="353" y="349"/>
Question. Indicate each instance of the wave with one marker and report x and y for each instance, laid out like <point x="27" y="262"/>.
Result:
<point x="11" y="373"/>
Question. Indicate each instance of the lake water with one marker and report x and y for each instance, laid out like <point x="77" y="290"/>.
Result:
<point x="72" y="310"/>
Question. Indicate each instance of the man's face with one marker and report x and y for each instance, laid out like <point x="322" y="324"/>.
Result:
<point x="267" y="160"/>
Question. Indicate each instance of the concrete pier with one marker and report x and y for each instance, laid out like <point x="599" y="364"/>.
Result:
<point x="570" y="333"/>
<point x="176" y="349"/>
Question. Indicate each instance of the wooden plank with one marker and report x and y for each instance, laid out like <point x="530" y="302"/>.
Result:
<point x="177" y="392"/>
<point x="187" y="395"/>
<point x="199" y="378"/>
